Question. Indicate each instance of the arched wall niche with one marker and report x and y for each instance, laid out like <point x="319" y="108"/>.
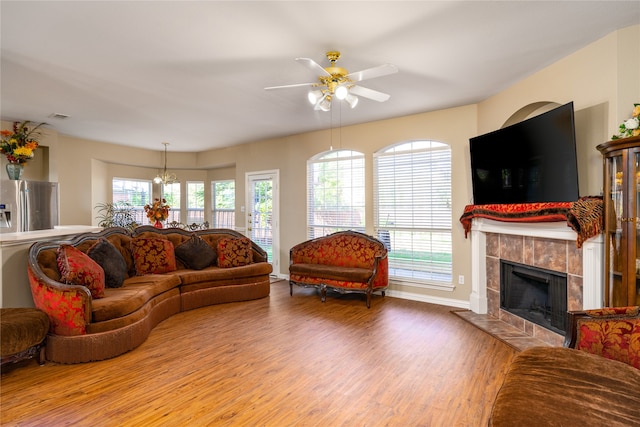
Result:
<point x="529" y="111"/>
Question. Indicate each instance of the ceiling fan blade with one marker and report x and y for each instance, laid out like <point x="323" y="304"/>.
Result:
<point x="290" y="86"/>
<point x="369" y="93"/>
<point x="371" y="73"/>
<point x="313" y="66"/>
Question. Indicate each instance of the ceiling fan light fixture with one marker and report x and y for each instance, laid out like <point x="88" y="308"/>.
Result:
<point x="352" y="100"/>
<point x="314" y="96"/>
<point x="325" y="103"/>
<point x="335" y="81"/>
<point x="341" y="92"/>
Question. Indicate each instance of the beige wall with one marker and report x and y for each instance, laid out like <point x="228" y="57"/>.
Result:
<point x="600" y="79"/>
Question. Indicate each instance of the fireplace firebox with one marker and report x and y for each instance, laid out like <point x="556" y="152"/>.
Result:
<point x="534" y="294"/>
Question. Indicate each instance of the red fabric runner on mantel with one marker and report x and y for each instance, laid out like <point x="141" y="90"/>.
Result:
<point x="584" y="216"/>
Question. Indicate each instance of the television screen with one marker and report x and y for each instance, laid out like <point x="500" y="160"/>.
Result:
<point x="531" y="161"/>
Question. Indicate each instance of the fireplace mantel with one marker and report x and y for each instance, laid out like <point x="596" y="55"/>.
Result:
<point x="592" y="257"/>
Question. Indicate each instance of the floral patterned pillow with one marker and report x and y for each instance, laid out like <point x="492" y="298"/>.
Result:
<point x="234" y="252"/>
<point x="77" y="268"/>
<point x="153" y="256"/>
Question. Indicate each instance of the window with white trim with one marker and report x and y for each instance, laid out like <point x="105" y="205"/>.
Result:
<point x="335" y="193"/>
<point x="412" y="210"/>
<point x="171" y="193"/>
<point x="223" y="200"/>
<point x="135" y="192"/>
<point x="195" y="202"/>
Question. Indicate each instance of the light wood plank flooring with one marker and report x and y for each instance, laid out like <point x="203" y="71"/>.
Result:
<point x="278" y="361"/>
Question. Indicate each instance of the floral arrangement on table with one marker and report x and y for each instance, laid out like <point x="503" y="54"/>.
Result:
<point x="158" y="210"/>
<point x="630" y="127"/>
<point x="19" y="145"/>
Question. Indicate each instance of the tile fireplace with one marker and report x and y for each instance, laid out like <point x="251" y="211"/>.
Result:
<point x="548" y="246"/>
<point x="535" y="294"/>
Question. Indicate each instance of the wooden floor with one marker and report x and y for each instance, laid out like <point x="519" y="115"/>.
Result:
<point x="278" y="361"/>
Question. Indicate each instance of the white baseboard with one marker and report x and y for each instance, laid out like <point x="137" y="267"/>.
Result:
<point x="428" y="298"/>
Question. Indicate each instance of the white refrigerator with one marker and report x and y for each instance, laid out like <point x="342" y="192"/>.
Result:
<point x="28" y="206"/>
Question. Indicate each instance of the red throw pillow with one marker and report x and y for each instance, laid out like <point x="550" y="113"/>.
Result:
<point x="153" y="256"/>
<point x="77" y="268"/>
<point x="234" y="252"/>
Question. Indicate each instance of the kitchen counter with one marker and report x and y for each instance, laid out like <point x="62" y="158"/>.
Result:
<point x="34" y="236"/>
<point x="14" y="249"/>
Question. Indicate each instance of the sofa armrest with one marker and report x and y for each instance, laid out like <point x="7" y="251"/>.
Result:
<point x="68" y="306"/>
<point x="380" y="276"/>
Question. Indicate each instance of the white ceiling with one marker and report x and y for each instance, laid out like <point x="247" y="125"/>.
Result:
<point x="193" y="73"/>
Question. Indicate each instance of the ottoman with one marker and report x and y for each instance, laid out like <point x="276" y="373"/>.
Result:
<point x="22" y="334"/>
<point x="564" y="387"/>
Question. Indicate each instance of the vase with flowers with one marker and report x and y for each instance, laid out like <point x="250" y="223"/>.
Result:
<point x="157" y="211"/>
<point x="18" y="146"/>
<point x="630" y="127"/>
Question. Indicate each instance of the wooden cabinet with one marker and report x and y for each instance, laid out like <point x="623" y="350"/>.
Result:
<point x="622" y="222"/>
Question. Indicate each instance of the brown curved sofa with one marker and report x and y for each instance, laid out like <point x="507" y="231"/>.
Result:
<point x="84" y="328"/>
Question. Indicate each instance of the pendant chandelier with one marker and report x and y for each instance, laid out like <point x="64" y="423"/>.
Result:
<point x="165" y="177"/>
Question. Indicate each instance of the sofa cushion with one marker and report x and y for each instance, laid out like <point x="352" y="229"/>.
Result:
<point x="135" y="293"/>
<point x="111" y="261"/>
<point x="213" y="275"/>
<point x="195" y="253"/>
<point x="77" y="268"/>
<point x="153" y="256"/>
<point x="611" y="337"/>
<point x="556" y="386"/>
<point x="234" y="252"/>
<point x="349" y="274"/>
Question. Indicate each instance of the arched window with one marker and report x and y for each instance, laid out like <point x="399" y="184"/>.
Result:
<point x="335" y="192"/>
<point x="412" y="210"/>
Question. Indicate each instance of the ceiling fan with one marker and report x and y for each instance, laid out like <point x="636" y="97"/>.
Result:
<point x="338" y="82"/>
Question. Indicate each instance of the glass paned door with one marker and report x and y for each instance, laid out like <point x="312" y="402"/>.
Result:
<point x="615" y="224"/>
<point x="634" y="283"/>
<point x="262" y="213"/>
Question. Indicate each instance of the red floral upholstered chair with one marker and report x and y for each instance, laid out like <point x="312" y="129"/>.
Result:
<point x="345" y="261"/>
<point x="611" y="332"/>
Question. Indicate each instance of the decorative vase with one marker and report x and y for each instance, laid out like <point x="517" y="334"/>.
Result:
<point x="158" y="224"/>
<point x="14" y="170"/>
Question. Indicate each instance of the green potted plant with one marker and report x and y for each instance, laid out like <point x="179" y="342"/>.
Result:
<point x="116" y="214"/>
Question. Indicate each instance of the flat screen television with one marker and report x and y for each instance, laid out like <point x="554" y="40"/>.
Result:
<point x="531" y="161"/>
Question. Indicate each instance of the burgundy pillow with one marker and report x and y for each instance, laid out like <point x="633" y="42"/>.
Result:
<point x="111" y="261"/>
<point x="77" y="268"/>
<point x="153" y="256"/>
<point x="234" y="252"/>
<point x="195" y="253"/>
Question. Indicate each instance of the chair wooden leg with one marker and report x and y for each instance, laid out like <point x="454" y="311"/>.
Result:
<point x="42" y="356"/>
<point x="323" y="293"/>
